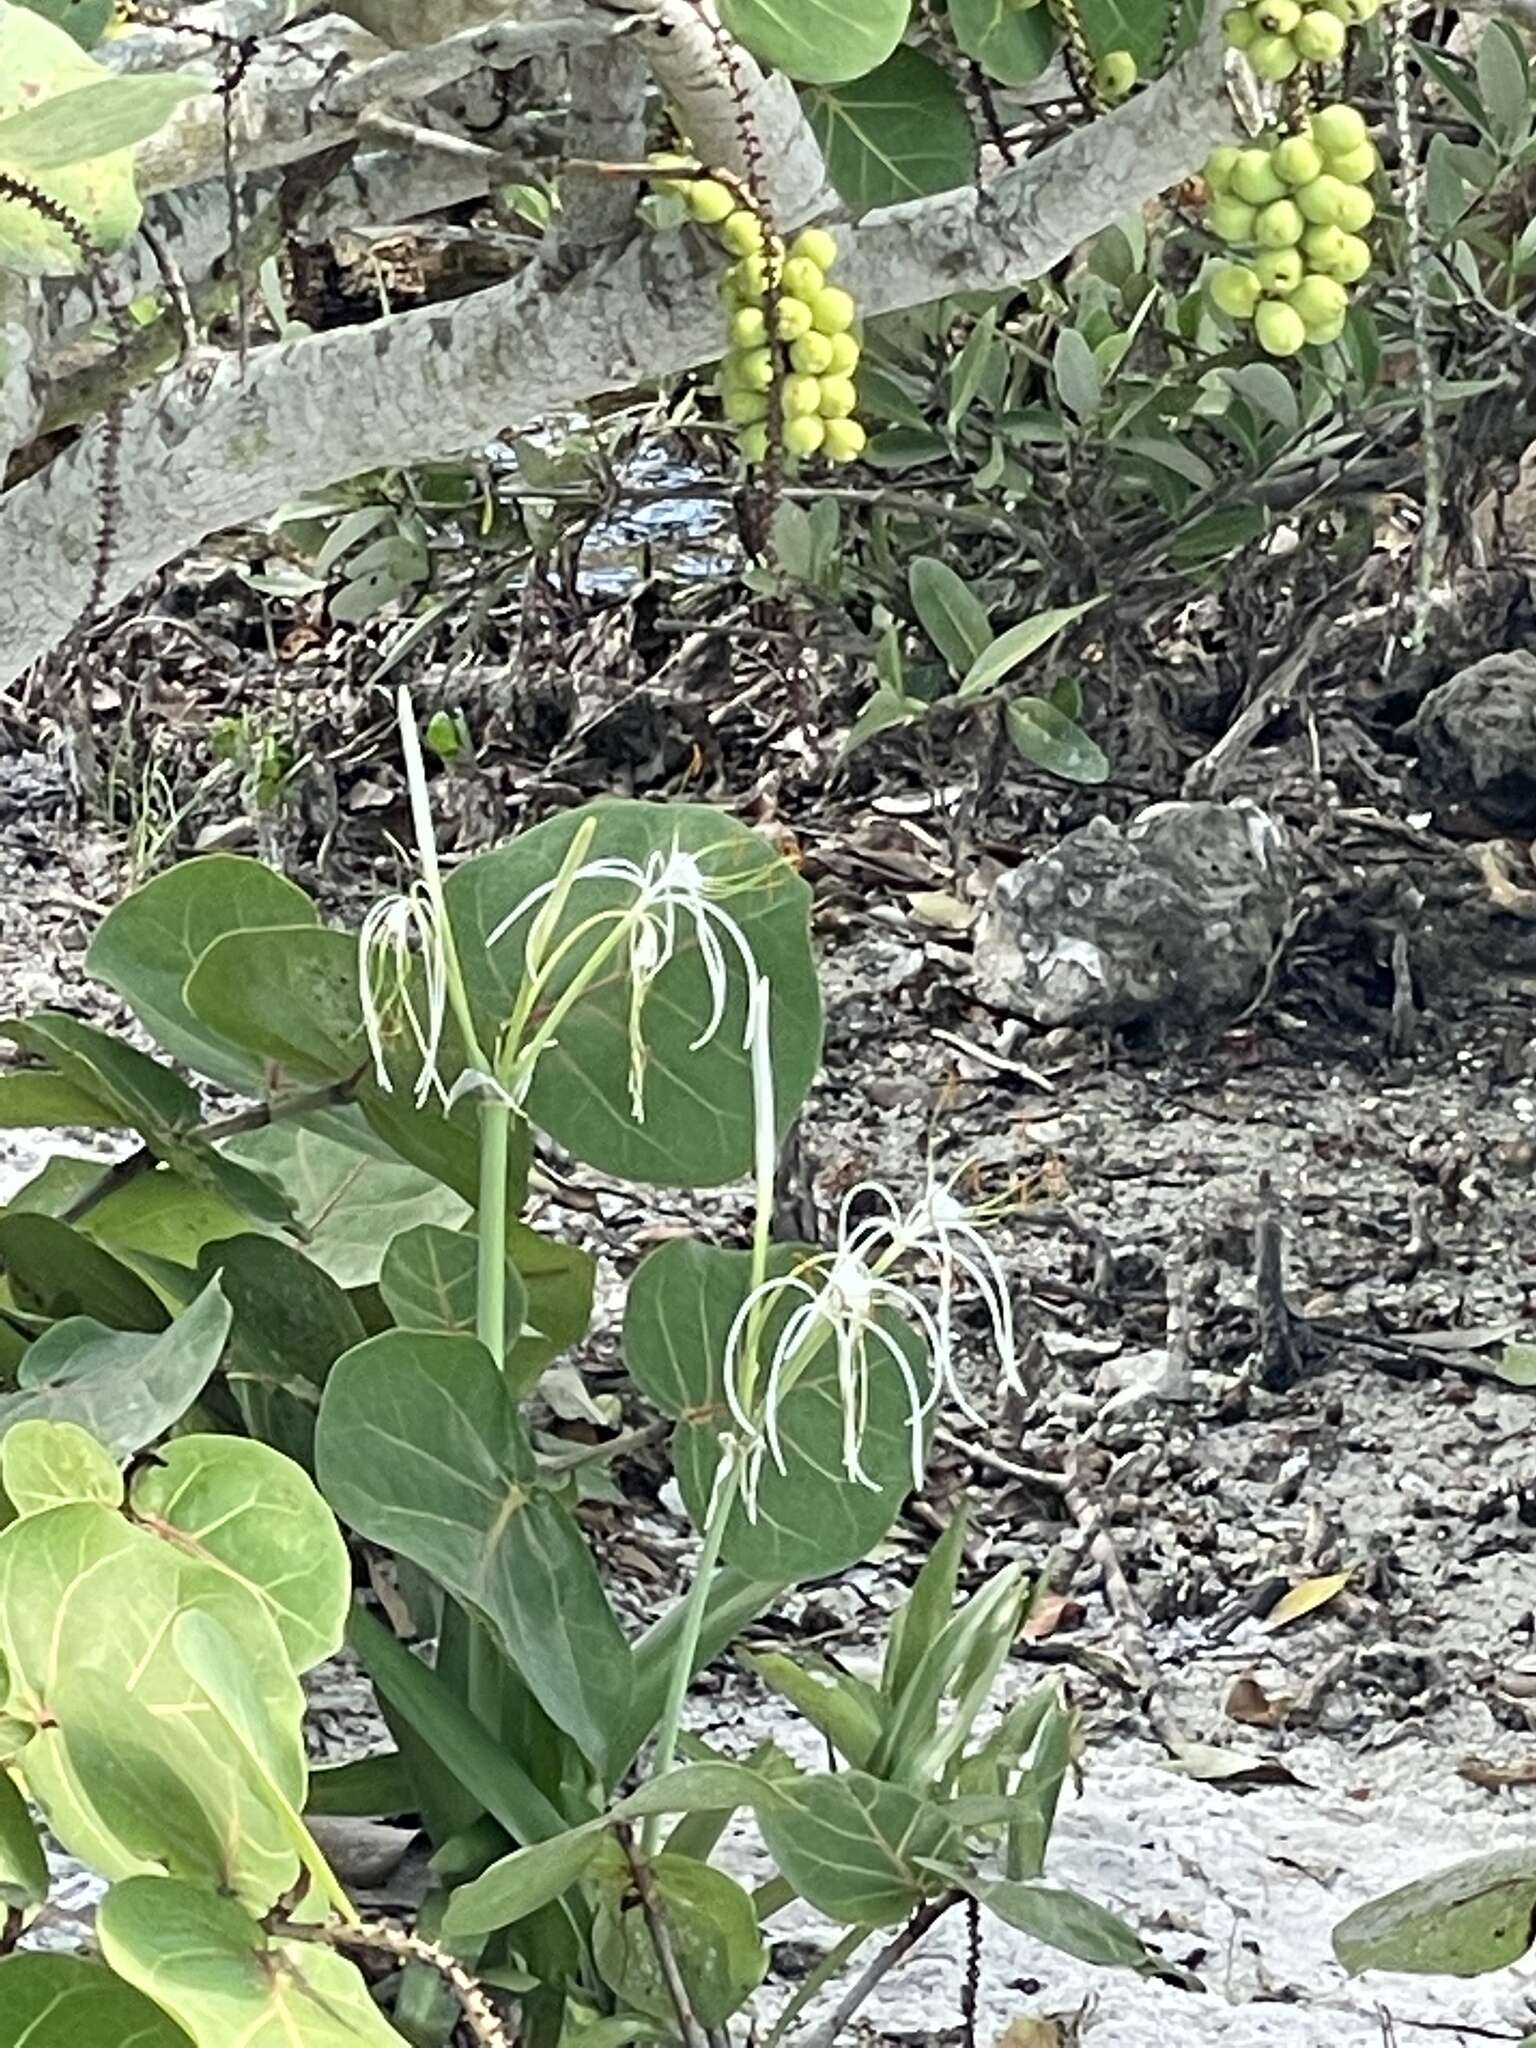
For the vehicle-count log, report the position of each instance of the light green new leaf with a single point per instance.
(853, 1847)
(846, 1711)
(23, 1866)
(218, 1973)
(1018, 644)
(125, 1388)
(818, 41)
(49, 2001)
(900, 133)
(1473, 1917)
(1049, 739)
(49, 1464)
(148, 944)
(811, 1519)
(698, 1129)
(247, 1510)
(1012, 44)
(950, 612)
(720, 1953)
(420, 1447)
(92, 120)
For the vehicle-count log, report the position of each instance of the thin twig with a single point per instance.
(1005, 1468)
(688, 2023)
(880, 1967)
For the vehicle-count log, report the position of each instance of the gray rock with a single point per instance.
(1181, 912)
(1477, 738)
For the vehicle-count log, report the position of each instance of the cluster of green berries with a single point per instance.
(812, 324)
(1297, 205)
(1279, 36)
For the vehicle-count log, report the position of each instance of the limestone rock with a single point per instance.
(1477, 738)
(1177, 916)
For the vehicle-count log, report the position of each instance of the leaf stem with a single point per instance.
(638, 1859)
(829, 1967)
(491, 1270)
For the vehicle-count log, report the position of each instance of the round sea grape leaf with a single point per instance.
(245, 1509)
(720, 1952)
(698, 1128)
(49, 2001)
(47, 1464)
(901, 133)
(818, 41)
(223, 1978)
(812, 1519)
(430, 1281)
(1012, 44)
(853, 1846)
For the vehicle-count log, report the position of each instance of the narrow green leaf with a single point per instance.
(35, 1098)
(1077, 374)
(1048, 739)
(950, 612)
(56, 1271)
(23, 1866)
(924, 1615)
(1061, 1919)
(847, 1713)
(1016, 645)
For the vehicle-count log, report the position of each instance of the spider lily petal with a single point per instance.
(386, 956)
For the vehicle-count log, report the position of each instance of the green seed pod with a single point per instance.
(1273, 58)
(845, 355)
(832, 310)
(1279, 330)
(1115, 75)
(1338, 128)
(1235, 289)
(752, 371)
(811, 354)
(805, 435)
(742, 233)
(1276, 17)
(1254, 179)
(1323, 201)
(708, 200)
(1219, 166)
(749, 329)
(838, 398)
(1357, 209)
(844, 440)
(793, 319)
(1355, 166)
(1297, 160)
(444, 736)
(1319, 299)
(753, 443)
(801, 395)
(803, 278)
(1279, 271)
(1319, 37)
(1279, 225)
(1230, 220)
(1325, 331)
(743, 407)
(816, 246)
(1240, 27)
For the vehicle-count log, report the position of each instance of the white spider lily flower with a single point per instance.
(395, 934)
(838, 1297)
(673, 896)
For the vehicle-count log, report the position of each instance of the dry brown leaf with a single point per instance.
(1051, 1613)
(1030, 2033)
(1248, 1702)
(1304, 1599)
(1208, 1765)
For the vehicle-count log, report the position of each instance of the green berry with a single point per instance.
(1355, 166)
(805, 435)
(1273, 58)
(1337, 129)
(811, 354)
(1235, 289)
(748, 328)
(752, 275)
(803, 278)
(1114, 75)
(1323, 201)
(843, 441)
(845, 355)
(1280, 331)
(793, 318)
(743, 407)
(816, 246)
(1279, 271)
(838, 398)
(1357, 209)
(1240, 27)
(1319, 299)
(754, 444)
(1230, 220)
(742, 233)
(801, 395)
(1322, 332)
(1279, 225)
(1353, 261)
(753, 371)
(1220, 165)
(443, 736)
(1297, 160)
(709, 201)
(832, 310)
(1276, 17)
(1254, 180)
(1319, 37)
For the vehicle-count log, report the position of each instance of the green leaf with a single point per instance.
(218, 1973)
(350, 1200)
(1047, 738)
(1013, 44)
(251, 1512)
(145, 1094)
(126, 1389)
(950, 612)
(32, 1098)
(429, 1280)
(698, 1129)
(49, 1464)
(812, 1519)
(559, 1280)
(49, 2001)
(817, 41)
(1016, 645)
(149, 943)
(1269, 391)
(1062, 1919)
(1474, 1916)
(1215, 535)
(23, 1866)
(420, 1448)
(56, 1271)
(291, 1322)
(851, 1846)
(900, 133)
(287, 996)
(1140, 26)
(1503, 80)
(918, 1623)
(1517, 1365)
(131, 1765)
(884, 711)
(368, 1788)
(912, 1748)
(1077, 374)
(720, 1954)
(972, 368)
(845, 1711)
(92, 120)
